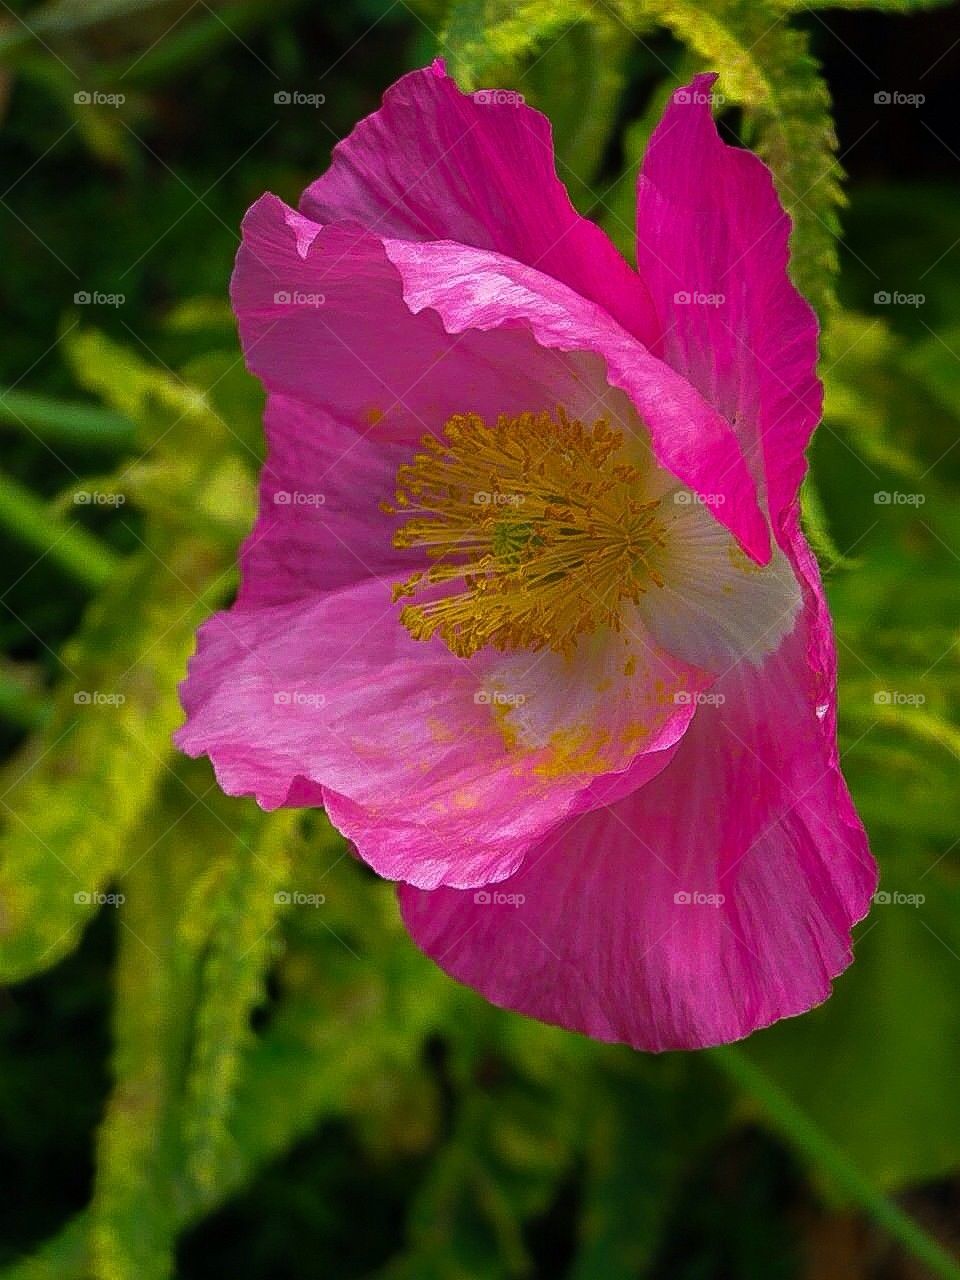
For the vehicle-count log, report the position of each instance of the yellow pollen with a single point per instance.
(534, 529)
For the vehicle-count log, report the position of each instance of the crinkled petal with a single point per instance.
(715, 900)
(473, 290)
(712, 249)
(437, 164)
(322, 320)
(414, 749)
(325, 317)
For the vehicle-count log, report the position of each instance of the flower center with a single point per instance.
(534, 529)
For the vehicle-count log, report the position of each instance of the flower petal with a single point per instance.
(437, 164)
(716, 607)
(411, 746)
(472, 290)
(488, 336)
(613, 925)
(712, 249)
(323, 320)
(319, 526)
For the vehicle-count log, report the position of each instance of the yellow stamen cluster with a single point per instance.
(534, 528)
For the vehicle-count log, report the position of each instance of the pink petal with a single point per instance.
(437, 164)
(710, 226)
(319, 526)
(751, 807)
(413, 762)
(323, 320)
(474, 290)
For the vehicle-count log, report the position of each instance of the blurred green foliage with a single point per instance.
(205, 1077)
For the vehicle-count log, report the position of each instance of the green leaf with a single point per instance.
(832, 1161)
(76, 793)
(134, 1212)
(64, 542)
(873, 1066)
(65, 422)
(242, 914)
(648, 1123)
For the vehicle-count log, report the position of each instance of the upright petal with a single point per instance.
(437, 164)
(712, 249)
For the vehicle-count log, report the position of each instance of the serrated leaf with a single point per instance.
(76, 793)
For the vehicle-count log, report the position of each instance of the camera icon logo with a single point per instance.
(481, 898)
(282, 898)
(82, 699)
(282, 98)
(682, 898)
(82, 899)
(882, 99)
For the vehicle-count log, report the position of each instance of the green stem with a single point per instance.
(66, 422)
(68, 545)
(824, 1154)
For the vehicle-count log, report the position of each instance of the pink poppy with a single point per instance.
(527, 607)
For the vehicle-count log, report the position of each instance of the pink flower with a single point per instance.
(527, 607)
